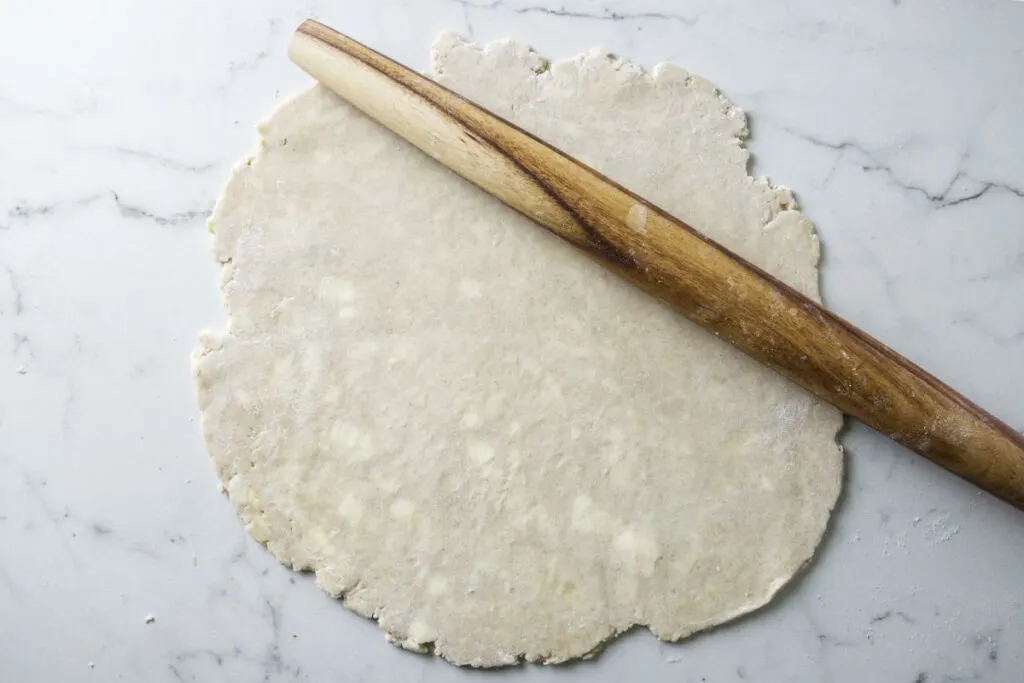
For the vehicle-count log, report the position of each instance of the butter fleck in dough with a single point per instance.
(471, 432)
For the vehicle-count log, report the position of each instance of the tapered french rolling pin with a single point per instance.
(672, 261)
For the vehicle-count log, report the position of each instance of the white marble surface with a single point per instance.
(898, 123)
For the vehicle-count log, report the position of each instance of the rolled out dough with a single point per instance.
(471, 432)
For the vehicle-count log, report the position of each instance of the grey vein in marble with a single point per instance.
(603, 14)
(176, 218)
(165, 162)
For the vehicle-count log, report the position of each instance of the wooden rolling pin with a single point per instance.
(737, 301)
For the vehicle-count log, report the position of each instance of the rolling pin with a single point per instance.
(672, 261)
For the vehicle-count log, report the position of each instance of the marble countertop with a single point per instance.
(897, 122)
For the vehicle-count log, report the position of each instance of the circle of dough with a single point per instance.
(471, 432)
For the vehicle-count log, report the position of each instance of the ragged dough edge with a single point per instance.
(783, 207)
(233, 484)
(347, 589)
(211, 340)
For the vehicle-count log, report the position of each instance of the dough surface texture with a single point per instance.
(470, 431)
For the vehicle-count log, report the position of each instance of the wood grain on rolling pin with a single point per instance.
(670, 260)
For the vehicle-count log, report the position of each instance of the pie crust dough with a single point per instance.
(471, 432)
